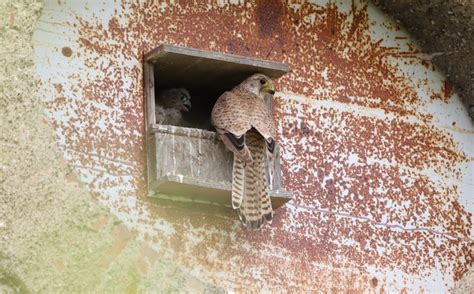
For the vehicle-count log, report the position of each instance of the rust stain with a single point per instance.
(374, 282)
(378, 192)
(332, 58)
(66, 51)
(447, 90)
(269, 18)
(59, 88)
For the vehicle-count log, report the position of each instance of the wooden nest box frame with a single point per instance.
(191, 163)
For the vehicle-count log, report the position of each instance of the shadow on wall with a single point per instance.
(446, 32)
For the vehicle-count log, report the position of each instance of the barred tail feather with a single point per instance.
(238, 173)
(266, 209)
(255, 205)
(249, 211)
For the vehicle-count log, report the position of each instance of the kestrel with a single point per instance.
(245, 125)
(170, 105)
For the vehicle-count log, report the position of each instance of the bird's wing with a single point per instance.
(246, 127)
(229, 117)
(262, 121)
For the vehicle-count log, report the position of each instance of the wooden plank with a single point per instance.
(182, 131)
(192, 190)
(149, 94)
(272, 68)
(149, 105)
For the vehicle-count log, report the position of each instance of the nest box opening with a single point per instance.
(188, 162)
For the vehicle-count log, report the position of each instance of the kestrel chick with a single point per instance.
(170, 105)
(246, 126)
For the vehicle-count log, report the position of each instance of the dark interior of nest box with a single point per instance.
(205, 74)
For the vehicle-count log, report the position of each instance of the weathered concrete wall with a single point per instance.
(375, 145)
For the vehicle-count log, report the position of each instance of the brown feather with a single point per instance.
(238, 175)
(255, 205)
(243, 154)
(243, 112)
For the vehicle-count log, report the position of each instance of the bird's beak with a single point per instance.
(186, 107)
(269, 88)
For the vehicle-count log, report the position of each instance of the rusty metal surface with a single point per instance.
(375, 145)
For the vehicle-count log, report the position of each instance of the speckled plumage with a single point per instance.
(170, 105)
(245, 125)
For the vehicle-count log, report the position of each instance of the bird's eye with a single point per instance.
(183, 98)
(262, 81)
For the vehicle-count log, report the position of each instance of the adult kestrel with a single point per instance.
(245, 125)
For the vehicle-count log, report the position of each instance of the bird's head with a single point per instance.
(178, 98)
(258, 84)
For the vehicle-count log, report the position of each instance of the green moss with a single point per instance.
(10, 283)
